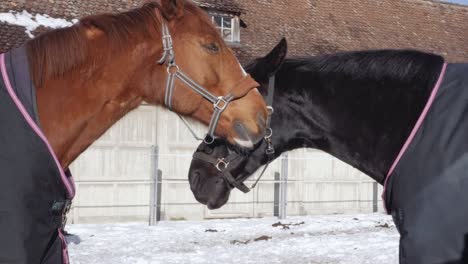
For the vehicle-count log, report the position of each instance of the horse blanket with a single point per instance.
(427, 188)
(35, 192)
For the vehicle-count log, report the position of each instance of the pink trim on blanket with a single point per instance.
(65, 257)
(414, 131)
(69, 184)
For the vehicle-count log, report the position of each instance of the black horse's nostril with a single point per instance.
(195, 179)
(208, 150)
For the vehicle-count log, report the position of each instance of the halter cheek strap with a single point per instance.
(220, 103)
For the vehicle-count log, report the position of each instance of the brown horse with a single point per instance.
(90, 75)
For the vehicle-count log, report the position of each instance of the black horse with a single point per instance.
(366, 108)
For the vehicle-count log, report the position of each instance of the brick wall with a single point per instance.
(311, 26)
(317, 26)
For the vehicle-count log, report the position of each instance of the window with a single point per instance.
(228, 26)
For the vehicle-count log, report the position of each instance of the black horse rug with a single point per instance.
(35, 192)
(427, 187)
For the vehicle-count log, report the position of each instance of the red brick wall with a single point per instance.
(311, 26)
(317, 26)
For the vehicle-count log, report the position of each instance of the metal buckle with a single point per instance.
(223, 101)
(270, 150)
(65, 211)
(222, 162)
(167, 42)
(172, 66)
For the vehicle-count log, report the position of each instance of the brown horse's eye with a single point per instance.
(212, 47)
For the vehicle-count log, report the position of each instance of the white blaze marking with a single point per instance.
(242, 69)
(244, 143)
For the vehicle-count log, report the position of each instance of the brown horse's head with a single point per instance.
(89, 75)
(202, 55)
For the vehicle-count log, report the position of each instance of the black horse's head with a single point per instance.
(207, 175)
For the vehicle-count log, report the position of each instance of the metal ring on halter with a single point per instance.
(222, 162)
(209, 139)
(268, 133)
(223, 100)
(270, 110)
(172, 66)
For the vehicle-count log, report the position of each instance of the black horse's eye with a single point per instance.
(212, 47)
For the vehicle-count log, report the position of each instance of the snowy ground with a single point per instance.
(353, 239)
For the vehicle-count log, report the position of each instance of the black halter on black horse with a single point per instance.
(362, 107)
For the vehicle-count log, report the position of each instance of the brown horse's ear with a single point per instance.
(172, 9)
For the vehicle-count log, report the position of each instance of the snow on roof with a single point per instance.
(221, 5)
(32, 22)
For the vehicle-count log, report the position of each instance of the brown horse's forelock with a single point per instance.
(56, 52)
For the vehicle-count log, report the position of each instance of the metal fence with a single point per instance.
(278, 203)
(299, 183)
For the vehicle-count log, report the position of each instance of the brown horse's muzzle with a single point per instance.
(247, 113)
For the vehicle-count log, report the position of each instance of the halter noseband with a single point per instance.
(220, 103)
(222, 164)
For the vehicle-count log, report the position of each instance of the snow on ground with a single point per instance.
(350, 239)
(32, 22)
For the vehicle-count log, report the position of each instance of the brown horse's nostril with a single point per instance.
(262, 123)
(247, 136)
(261, 120)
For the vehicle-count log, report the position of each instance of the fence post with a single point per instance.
(276, 201)
(283, 187)
(155, 206)
(155, 187)
(375, 198)
(158, 195)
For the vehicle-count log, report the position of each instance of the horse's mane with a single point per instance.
(403, 65)
(56, 52)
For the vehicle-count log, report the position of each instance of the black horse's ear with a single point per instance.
(172, 8)
(262, 69)
(273, 61)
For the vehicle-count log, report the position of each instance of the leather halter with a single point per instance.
(222, 164)
(220, 103)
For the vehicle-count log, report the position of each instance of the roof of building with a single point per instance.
(230, 6)
(317, 27)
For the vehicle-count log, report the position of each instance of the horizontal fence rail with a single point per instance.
(284, 190)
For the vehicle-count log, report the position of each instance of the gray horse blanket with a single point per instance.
(427, 188)
(35, 192)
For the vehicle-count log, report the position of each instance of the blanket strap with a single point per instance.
(60, 209)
